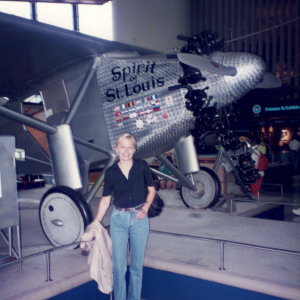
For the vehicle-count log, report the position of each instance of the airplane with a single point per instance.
(93, 90)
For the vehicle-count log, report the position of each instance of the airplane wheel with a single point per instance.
(208, 189)
(64, 214)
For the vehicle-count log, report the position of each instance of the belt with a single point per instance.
(129, 209)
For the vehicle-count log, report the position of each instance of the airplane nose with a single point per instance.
(250, 71)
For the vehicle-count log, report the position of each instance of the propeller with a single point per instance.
(269, 82)
(206, 64)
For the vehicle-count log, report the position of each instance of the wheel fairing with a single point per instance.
(64, 206)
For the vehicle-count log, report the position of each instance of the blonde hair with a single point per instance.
(126, 136)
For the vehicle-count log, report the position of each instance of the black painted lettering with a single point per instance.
(137, 88)
(147, 67)
(133, 68)
(126, 71)
(152, 68)
(110, 94)
(146, 86)
(118, 94)
(153, 82)
(127, 91)
(142, 66)
(117, 75)
(160, 81)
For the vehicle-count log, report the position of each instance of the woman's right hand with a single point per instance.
(103, 207)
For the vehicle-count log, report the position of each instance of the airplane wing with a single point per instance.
(30, 49)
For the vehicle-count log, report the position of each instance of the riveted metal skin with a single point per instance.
(136, 99)
(227, 89)
(163, 126)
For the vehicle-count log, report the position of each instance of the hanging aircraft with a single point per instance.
(93, 90)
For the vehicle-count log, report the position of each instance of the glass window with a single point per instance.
(96, 20)
(57, 14)
(19, 9)
(34, 99)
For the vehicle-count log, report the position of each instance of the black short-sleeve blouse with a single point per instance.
(129, 192)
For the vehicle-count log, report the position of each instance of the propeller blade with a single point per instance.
(206, 64)
(269, 82)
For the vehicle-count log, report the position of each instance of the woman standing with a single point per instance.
(127, 179)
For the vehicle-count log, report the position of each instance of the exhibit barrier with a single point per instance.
(9, 213)
(221, 242)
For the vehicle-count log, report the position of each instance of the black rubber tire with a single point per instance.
(64, 215)
(209, 189)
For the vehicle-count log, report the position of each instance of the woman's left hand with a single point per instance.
(141, 214)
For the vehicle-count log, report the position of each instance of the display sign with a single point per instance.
(282, 108)
(256, 109)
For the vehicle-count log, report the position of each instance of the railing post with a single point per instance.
(48, 267)
(10, 241)
(19, 247)
(222, 256)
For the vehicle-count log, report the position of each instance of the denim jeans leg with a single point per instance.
(119, 227)
(138, 235)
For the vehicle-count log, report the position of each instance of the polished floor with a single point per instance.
(163, 285)
(291, 193)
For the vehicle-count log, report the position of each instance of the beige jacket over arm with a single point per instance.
(100, 257)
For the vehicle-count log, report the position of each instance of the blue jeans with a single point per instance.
(123, 227)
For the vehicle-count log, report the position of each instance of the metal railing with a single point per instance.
(270, 186)
(45, 252)
(259, 202)
(224, 242)
(222, 250)
(259, 194)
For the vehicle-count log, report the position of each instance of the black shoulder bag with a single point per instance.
(157, 205)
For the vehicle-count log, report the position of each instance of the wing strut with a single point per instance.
(28, 121)
(81, 92)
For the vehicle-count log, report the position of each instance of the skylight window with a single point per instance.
(96, 20)
(19, 9)
(56, 14)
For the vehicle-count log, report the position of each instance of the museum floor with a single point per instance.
(177, 245)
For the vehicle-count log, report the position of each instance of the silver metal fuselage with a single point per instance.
(130, 94)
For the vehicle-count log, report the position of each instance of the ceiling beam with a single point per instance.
(94, 2)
